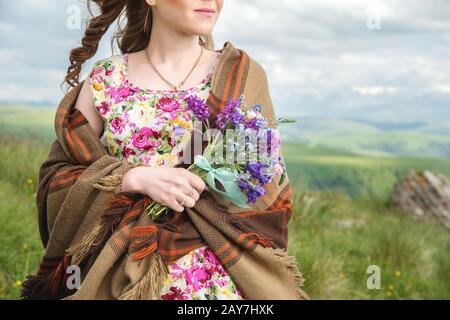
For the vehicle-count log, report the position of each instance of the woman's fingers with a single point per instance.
(175, 203)
(189, 202)
(194, 180)
(175, 206)
(191, 192)
(185, 186)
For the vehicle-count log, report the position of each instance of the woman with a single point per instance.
(139, 104)
(173, 28)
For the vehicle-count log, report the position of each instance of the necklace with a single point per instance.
(162, 77)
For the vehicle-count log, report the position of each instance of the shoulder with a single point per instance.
(256, 68)
(107, 65)
(107, 71)
(239, 61)
(109, 62)
(257, 78)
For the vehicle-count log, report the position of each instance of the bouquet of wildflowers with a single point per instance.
(242, 153)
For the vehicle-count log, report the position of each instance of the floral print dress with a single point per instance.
(152, 127)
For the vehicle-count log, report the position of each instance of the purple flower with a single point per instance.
(255, 169)
(243, 185)
(237, 117)
(179, 131)
(251, 124)
(199, 107)
(227, 113)
(254, 193)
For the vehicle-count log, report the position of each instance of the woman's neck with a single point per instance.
(171, 48)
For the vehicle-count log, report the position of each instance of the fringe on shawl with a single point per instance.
(290, 263)
(279, 254)
(109, 183)
(82, 249)
(51, 285)
(149, 286)
(89, 247)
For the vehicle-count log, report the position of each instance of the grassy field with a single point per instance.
(342, 221)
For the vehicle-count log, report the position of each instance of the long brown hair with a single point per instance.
(130, 38)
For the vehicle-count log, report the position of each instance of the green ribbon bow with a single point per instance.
(227, 177)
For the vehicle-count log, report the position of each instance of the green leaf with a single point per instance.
(283, 176)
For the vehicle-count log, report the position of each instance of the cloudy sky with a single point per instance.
(372, 59)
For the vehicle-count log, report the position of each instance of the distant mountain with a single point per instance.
(366, 137)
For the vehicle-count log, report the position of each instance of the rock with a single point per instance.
(424, 195)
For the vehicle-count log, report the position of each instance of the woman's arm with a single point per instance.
(85, 104)
(161, 184)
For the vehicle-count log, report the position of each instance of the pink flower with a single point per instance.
(96, 74)
(196, 277)
(175, 294)
(117, 125)
(145, 139)
(211, 257)
(132, 126)
(126, 152)
(109, 71)
(103, 108)
(168, 104)
(171, 142)
(121, 93)
(177, 271)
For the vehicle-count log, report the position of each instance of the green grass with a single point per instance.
(367, 177)
(335, 239)
(20, 246)
(341, 225)
(27, 123)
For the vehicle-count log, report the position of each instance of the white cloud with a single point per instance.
(375, 90)
(442, 88)
(319, 54)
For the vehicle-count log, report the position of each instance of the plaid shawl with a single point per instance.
(120, 252)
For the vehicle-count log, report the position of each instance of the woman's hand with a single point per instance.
(168, 186)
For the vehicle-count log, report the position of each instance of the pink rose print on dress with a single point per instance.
(168, 104)
(196, 277)
(103, 108)
(212, 262)
(171, 142)
(121, 93)
(96, 74)
(211, 257)
(117, 125)
(145, 139)
(175, 294)
(126, 152)
(109, 71)
(177, 271)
